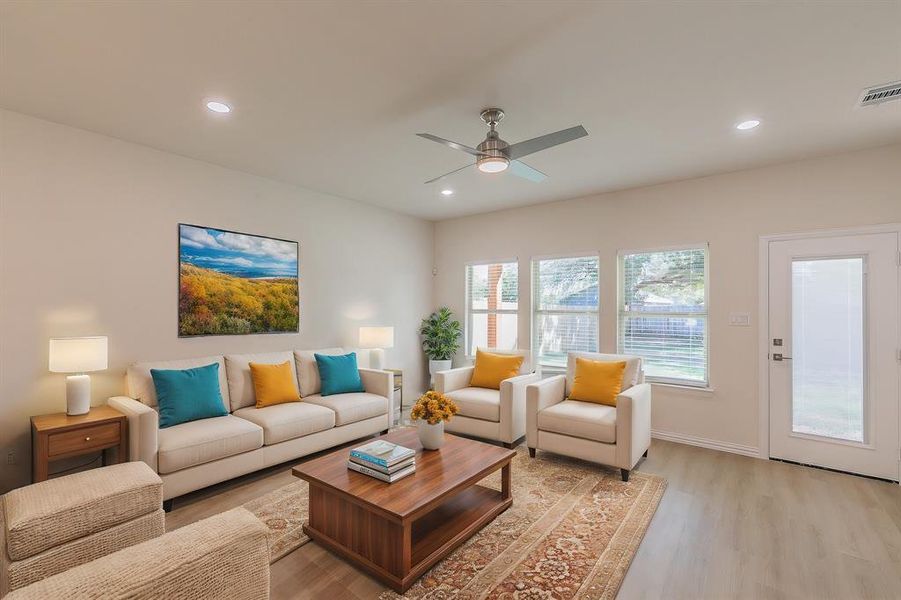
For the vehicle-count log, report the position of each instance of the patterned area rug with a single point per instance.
(572, 532)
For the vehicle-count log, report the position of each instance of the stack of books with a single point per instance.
(383, 460)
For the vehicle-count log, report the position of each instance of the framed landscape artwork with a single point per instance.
(232, 283)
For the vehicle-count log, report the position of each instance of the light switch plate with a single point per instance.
(740, 319)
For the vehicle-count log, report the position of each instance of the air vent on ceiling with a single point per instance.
(882, 93)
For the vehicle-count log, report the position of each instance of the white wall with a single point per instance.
(88, 245)
(729, 211)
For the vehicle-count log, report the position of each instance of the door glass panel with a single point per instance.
(828, 348)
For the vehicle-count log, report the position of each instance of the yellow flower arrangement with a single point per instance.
(433, 407)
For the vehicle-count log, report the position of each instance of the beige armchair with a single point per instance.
(498, 415)
(52, 526)
(224, 557)
(617, 436)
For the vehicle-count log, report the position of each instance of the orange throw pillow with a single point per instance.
(597, 381)
(273, 384)
(491, 369)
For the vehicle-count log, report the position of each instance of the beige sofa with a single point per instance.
(498, 415)
(193, 455)
(617, 436)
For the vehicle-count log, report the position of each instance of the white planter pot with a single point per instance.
(436, 366)
(431, 436)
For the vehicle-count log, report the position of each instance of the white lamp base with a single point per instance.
(78, 394)
(377, 359)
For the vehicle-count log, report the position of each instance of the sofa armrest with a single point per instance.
(143, 427)
(539, 396)
(224, 556)
(453, 379)
(633, 424)
(513, 406)
(378, 382)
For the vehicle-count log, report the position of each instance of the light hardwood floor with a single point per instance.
(728, 527)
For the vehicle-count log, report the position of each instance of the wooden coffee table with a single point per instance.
(396, 531)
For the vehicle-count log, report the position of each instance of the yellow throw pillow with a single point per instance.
(597, 381)
(491, 369)
(273, 384)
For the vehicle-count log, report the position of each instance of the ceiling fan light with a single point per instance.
(493, 164)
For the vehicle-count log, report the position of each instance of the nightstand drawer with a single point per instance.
(83, 439)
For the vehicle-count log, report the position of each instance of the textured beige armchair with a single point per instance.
(224, 557)
(617, 436)
(54, 525)
(498, 415)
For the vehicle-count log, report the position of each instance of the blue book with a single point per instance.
(382, 452)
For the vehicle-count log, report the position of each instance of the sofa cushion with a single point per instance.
(204, 441)
(586, 420)
(240, 382)
(188, 394)
(56, 511)
(308, 370)
(140, 383)
(631, 374)
(524, 369)
(477, 403)
(338, 374)
(350, 408)
(491, 369)
(287, 421)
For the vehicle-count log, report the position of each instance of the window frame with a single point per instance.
(468, 311)
(533, 329)
(621, 313)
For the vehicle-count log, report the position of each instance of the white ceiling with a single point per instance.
(329, 95)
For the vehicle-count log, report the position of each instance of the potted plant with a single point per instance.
(440, 339)
(431, 411)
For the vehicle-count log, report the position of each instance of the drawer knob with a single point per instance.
(87, 439)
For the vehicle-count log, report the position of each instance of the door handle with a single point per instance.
(779, 357)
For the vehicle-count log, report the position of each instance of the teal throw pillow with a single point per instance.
(188, 395)
(339, 373)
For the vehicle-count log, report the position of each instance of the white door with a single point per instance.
(833, 352)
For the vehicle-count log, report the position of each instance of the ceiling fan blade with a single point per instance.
(451, 173)
(451, 144)
(527, 147)
(521, 169)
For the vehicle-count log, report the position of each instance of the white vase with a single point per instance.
(436, 366)
(431, 436)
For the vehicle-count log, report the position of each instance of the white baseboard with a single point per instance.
(691, 440)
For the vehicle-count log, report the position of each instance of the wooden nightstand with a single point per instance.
(61, 436)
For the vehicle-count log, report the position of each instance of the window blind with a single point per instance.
(564, 308)
(663, 313)
(492, 306)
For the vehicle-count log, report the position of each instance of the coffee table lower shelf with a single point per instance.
(395, 552)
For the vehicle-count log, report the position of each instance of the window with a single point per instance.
(663, 313)
(564, 308)
(492, 303)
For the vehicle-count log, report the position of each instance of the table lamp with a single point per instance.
(376, 339)
(78, 355)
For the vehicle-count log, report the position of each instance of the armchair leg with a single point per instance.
(507, 445)
(384, 432)
(645, 454)
(168, 504)
(625, 474)
(531, 452)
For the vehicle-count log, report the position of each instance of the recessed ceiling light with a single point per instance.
(745, 125)
(447, 192)
(218, 107)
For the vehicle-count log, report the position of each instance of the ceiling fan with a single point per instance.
(495, 155)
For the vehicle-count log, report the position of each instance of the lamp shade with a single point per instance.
(376, 337)
(78, 354)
